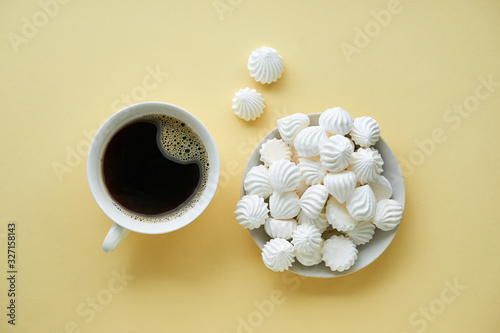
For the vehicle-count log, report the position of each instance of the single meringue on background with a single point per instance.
(339, 253)
(251, 212)
(313, 200)
(365, 131)
(338, 216)
(340, 185)
(336, 153)
(248, 104)
(336, 121)
(288, 127)
(284, 176)
(265, 65)
(389, 214)
(284, 206)
(367, 165)
(278, 254)
(362, 204)
(280, 228)
(320, 222)
(381, 188)
(306, 237)
(310, 140)
(274, 150)
(312, 170)
(257, 182)
(362, 233)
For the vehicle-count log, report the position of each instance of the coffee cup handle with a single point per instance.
(114, 237)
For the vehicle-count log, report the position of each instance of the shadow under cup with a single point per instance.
(128, 219)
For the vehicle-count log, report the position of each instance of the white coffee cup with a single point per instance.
(123, 222)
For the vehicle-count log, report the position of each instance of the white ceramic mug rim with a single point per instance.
(106, 132)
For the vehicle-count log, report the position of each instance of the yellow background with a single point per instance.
(66, 78)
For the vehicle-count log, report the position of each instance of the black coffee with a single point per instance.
(155, 165)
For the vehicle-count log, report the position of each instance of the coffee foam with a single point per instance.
(179, 142)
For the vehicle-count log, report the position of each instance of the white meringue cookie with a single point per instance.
(340, 185)
(310, 258)
(278, 254)
(365, 131)
(320, 222)
(338, 216)
(381, 188)
(312, 170)
(248, 104)
(284, 176)
(284, 205)
(274, 150)
(310, 140)
(280, 228)
(362, 233)
(251, 211)
(265, 65)
(336, 153)
(389, 214)
(362, 204)
(313, 200)
(339, 253)
(291, 125)
(366, 164)
(336, 121)
(257, 182)
(306, 238)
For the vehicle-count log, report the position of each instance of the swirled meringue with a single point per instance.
(248, 104)
(284, 176)
(366, 164)
(310, 140)
(389, 214)
(365, 131)
(278, 254)
(291, 125)
(251, 211)
(312, 170)
(362, 233)
(280, 228)
(284, 205)
(336, 153)
(257, 182)
(362, 204)
(340, 185)
(310, 258)
(338, 216)
(336, 121)
(339, 253)
(274, 150)
(313, 200)
(320, 222)
(265, 65)
(381, 188)
(306, 237)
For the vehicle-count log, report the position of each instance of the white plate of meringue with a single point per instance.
(322, 194)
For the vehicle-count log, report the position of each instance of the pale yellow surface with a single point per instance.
(67, 76)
